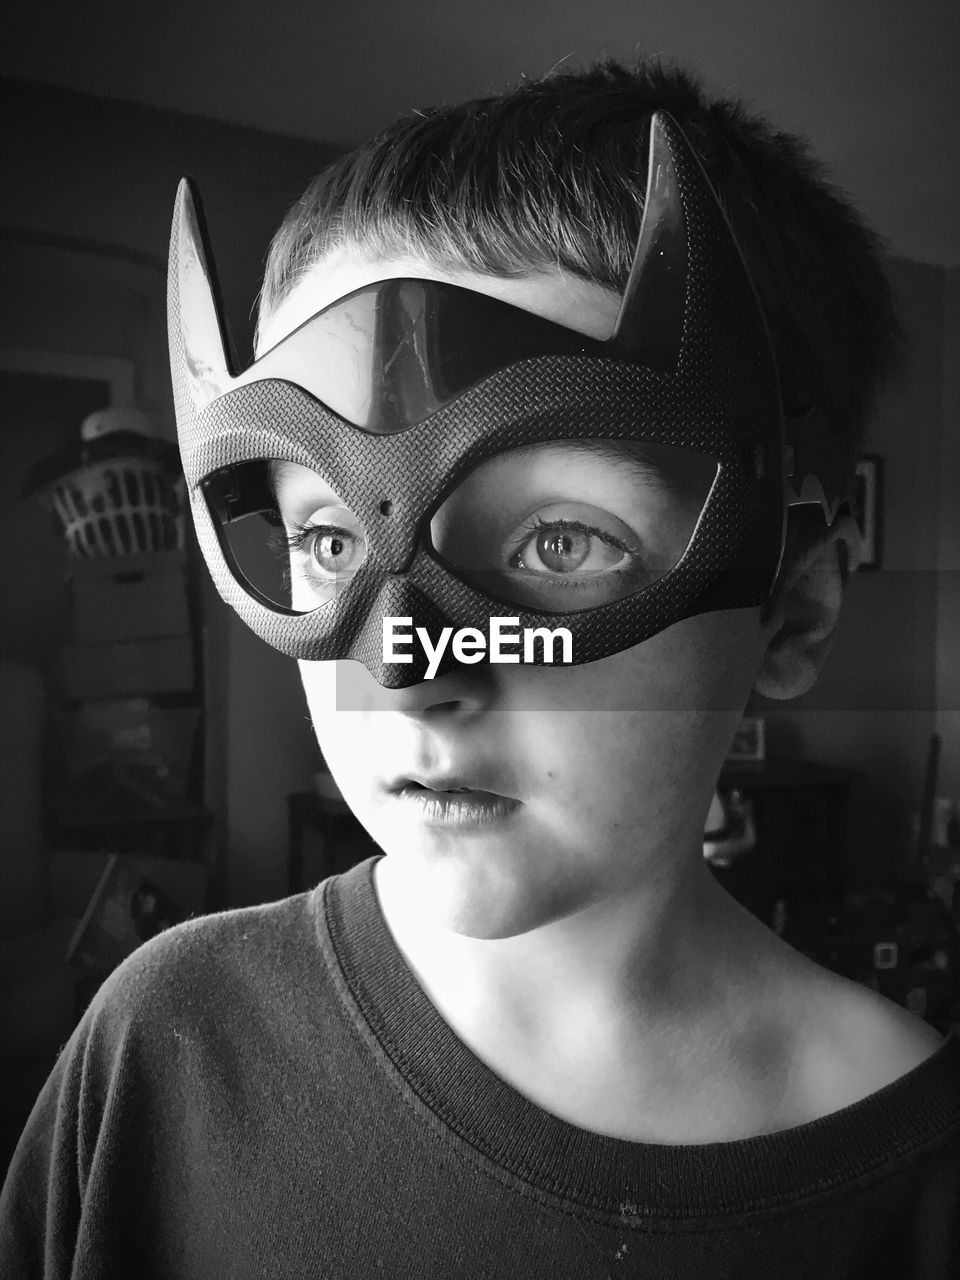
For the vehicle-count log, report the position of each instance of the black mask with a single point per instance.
(421, 450)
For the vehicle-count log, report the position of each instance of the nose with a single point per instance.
(454, 695)
(457, 695)
(410, 610)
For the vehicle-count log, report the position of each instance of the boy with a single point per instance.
(529, 465)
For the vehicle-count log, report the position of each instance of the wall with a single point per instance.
(879, 698)
(948, 601)
(96, 179)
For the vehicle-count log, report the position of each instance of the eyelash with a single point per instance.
(296, 540)
(573, 584)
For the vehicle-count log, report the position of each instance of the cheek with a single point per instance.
(340, 734)
(630, 733)
(341, 687)
(319, 684)
(700, 666)
(611, 771)
(703, 666)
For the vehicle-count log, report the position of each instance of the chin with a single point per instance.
(488, 921)
(480, 892)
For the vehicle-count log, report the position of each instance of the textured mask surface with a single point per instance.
(717, 393)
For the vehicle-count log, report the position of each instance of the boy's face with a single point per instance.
(593, 778)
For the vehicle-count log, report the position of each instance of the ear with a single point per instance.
(804, 611)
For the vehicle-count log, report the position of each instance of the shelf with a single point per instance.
(776, 772)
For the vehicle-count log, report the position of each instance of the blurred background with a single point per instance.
(156, 758)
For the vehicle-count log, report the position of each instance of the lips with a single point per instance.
(450, 802)
(448, 784)
(439, 784)
(483, 782)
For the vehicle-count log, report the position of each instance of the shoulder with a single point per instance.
(853, 1041)
(210, 965)
(217, 994)
(879, 1037)
(161, 1067)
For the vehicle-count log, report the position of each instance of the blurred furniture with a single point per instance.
(800, 815)
(21, 817)
(901, 942)
(133, 728)
(46, 883)
(37, 989)
(170, 833)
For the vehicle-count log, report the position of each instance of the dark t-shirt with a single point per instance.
(269, 1092)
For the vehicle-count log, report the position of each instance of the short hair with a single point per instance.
(552, 172)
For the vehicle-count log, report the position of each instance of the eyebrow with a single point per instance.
(634, 465)
(275, 468)
(274, 474)
(625, 459)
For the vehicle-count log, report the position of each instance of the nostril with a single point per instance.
(386, 507)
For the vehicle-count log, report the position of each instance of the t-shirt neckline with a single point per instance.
(613, 1176)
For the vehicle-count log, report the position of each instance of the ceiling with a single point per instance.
(872, 83)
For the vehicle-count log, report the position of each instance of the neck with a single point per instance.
(628, 975)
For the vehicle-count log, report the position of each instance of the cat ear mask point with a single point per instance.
(818, 472)
(199, 346)
(651, 317)
(687, 278)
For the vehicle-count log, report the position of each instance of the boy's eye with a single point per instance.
(324, 552)
(328, 548)
(286, 532)
(570, 525)
(568, 546)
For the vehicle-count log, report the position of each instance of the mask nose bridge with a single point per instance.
(393, 532)
(397, 597)
(397, 499)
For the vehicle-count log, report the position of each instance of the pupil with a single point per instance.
(330, 547)
(563, 551)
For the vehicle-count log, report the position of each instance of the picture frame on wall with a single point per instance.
(749, 742)
(868, 508)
